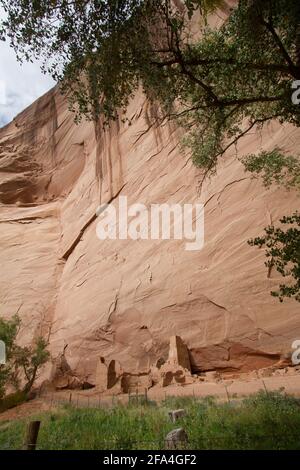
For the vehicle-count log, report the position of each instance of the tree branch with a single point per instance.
(295, 71)
(198, 62)
(234, 142)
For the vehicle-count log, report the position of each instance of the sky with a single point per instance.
(20, 85)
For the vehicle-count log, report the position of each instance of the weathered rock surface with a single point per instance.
(176, 439)
(62, 376)
(123, 299)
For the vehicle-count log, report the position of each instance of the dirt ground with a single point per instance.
(224, 390)
(26, 409)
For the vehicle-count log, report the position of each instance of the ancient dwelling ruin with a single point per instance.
(110, 377)
(176, 369)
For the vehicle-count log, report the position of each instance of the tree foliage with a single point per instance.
(283, 253)
(102, 50)
(274, 167)
(22, 362)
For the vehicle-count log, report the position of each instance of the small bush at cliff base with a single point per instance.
(264, 421)
(22, 363)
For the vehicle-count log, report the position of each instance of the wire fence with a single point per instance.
(241, 438)
(287, 439)
(245, 441)
(279, 442)
(78, 400)
(100, 400)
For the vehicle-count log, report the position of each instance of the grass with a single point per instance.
(261, 422)
(12, 400)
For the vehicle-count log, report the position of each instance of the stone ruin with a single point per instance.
(178, 353)
(110, 375)
(111, 378)
(175, 370)
(107, 374)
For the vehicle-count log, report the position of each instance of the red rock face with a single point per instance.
(123, 299)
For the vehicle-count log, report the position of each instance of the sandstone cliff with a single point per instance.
(123, 299)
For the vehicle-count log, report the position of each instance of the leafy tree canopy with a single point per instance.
(101, 51)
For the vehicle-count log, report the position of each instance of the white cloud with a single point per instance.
(23, 84)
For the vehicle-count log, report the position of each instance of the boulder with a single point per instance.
(176, 439)
(174, 415)
(62, 376)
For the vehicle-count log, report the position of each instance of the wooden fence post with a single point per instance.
(264, 386)
(227, 394)
(32, 435)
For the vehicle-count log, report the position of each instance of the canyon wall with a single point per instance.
(123, 299)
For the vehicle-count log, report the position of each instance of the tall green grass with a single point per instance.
(264, 421)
